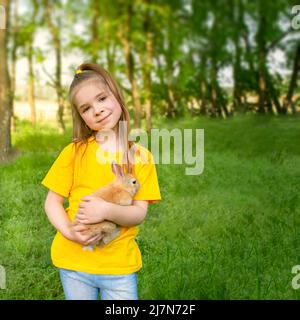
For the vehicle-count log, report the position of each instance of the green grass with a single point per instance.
(230, 233)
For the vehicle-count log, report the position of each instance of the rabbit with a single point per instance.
(120, 191)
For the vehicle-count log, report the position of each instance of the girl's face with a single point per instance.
(98, 106)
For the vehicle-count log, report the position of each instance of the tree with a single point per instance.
(95, 41)
(30, 56)
(26, 34)
(15, 44)
(5, 90)
(55, 30)
(293, 82)
(125, 35)
(146, 62)
(269, 34)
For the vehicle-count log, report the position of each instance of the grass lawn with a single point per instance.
(232, 232)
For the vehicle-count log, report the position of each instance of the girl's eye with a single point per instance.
(102, 98)
(86, 109)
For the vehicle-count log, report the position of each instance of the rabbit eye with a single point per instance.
(134, 181)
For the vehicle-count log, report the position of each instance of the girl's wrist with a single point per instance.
(107, 211)
(67, 232)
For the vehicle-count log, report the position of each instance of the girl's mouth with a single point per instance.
(100, 121)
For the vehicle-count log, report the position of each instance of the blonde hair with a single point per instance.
(87, 72)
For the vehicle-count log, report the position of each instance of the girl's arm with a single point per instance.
(57, 214)
(60, 220)
(95, 210)
(127, 216)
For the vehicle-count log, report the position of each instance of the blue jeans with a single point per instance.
(85, 286)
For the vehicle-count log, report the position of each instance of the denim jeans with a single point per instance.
(85, 286)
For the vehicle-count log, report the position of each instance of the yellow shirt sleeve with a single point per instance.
(147, 177)
(60, 176)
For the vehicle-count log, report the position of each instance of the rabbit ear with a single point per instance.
(117, 170)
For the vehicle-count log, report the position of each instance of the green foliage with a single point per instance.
(185, 46)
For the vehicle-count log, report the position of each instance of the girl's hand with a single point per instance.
(91, 210)
(75, 234)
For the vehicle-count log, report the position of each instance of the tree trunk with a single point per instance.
(31, 77)
(110, 57)
(262, 86)
(264, 94)
(168, 103)
(169, 72)
(203, 89)
(95, 44)
(147, 62)
(58, 87)
(216, 94)
(237, 102)
(293, 82)
(126, 41)
(273, 92)
(109, 42)
(248, 54)
(5, 91)
(55, 32)
(14, 60)
(170, 112)
(203, 85)
(31, 89)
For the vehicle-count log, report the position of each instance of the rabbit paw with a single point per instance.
(109, 237)
(88, 248)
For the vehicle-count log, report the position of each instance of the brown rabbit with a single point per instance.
(121, 191)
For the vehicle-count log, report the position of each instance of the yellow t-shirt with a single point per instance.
(75, 177)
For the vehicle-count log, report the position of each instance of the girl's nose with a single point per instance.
(98, 110)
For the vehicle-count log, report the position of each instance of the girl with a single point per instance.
(97, 107)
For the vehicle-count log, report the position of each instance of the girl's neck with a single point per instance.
(108, 141)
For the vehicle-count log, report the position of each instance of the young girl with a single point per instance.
(97, 107)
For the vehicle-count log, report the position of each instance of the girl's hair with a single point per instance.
(89, 72)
